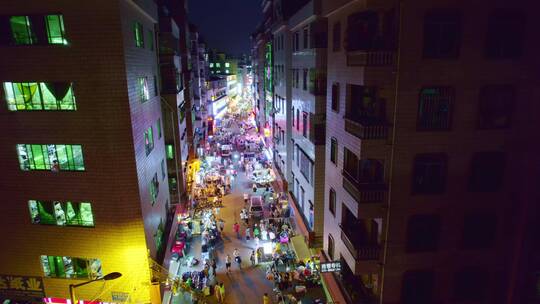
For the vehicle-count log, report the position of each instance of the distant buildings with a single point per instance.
(404, 127)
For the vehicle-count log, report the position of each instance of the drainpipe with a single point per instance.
(394, 122)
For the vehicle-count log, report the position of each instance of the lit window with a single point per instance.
(21, 30)
(144, 93)
(68, 267)
(218, 65)
(49, 96)
(149, 140)
(56, 33)
(170, 151)
(138, 32)
(227, 71)
(50, 157)
(211, 64)
(61, 213)
(227, 64)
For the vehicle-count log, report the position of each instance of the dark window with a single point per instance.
(335, 97)
(495, 107)
(505, 34)
(296, 41)
(370, 171)
(423, 232)
(479, 229)
(429, 175)
(306, 37)
(333, 150)
(155, 86)
(487, 171)
(151, 40)
(362, 105)
(470, 284)
(297, 119)
(350, 164)
(292, 116)
(435, 108)
(442, 34)
(417, 287)
(362, 30)
(332, 201)
(336, 38)
(331, 246)
(304, 124)
(306, 165)
(305, 80)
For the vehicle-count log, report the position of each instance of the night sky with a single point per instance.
(226, 24)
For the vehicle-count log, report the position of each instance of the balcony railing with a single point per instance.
(370, 58)
(366, 131)
(371, 252)
(364, 192)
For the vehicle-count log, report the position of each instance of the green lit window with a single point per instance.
(170, 151)
(68, 267)
(227, 64)
(149, 140)
(227, 71)
(50, 157)
(138, 33)
(159, 236)
(142, 88)
(48, 96)
(211, 64)
(21, 30)
(154, 189)
(158, 126)
(56, 33)
(151, 40)
(61, 213)
(218, 65)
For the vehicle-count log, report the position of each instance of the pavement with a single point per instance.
(249, 284)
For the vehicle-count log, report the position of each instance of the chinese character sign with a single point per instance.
(12, 286)
(334, 266)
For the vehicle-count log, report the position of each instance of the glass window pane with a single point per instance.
(95, 268)
(59, 214)
(59, 266)
(55, 29)
(72, 217)
(24, 158)
(38, 158)
(68, 267)
(28, 96)
(85, 214)
(63, 160)
(45, 210)
(78, 157)
(9, 95)
(49, 101)
(45, 265)
(68, 102)
(34, 213)
(21, 30)
(81, 268)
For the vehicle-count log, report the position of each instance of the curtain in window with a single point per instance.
(58, 89)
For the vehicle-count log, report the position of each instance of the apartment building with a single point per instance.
(222, 64)
(307, 116)
(427, 190)
(84, 175)
(218, 100)
(199, 65)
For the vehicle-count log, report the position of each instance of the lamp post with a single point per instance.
(107, 277)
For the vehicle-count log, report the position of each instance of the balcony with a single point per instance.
(371, 58)
(365, 252)
(364, 130)
(364, 192)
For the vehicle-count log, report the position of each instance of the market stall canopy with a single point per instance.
(300, 247)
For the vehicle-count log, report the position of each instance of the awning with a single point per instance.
(300, 247)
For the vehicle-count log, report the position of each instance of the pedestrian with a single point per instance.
(217, 293)
(246, 196)
(252, 258)
(214, 265)
(236, 229)
(248, 233)
(254, 187)
(237, 257)
(266, 299)
(222, 291)
(221, 224)
(228, 263)
(256, 231)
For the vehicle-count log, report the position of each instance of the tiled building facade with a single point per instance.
(84, 183)
(426, 105)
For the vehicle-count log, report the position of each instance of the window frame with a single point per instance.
(332, 199)
(138, 34)
(30, 38)
(484, 122)
(434, 123)
(334, 150)
(436, 24)
(335, 97)
(426, 162)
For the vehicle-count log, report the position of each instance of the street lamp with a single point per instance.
(107, 277)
